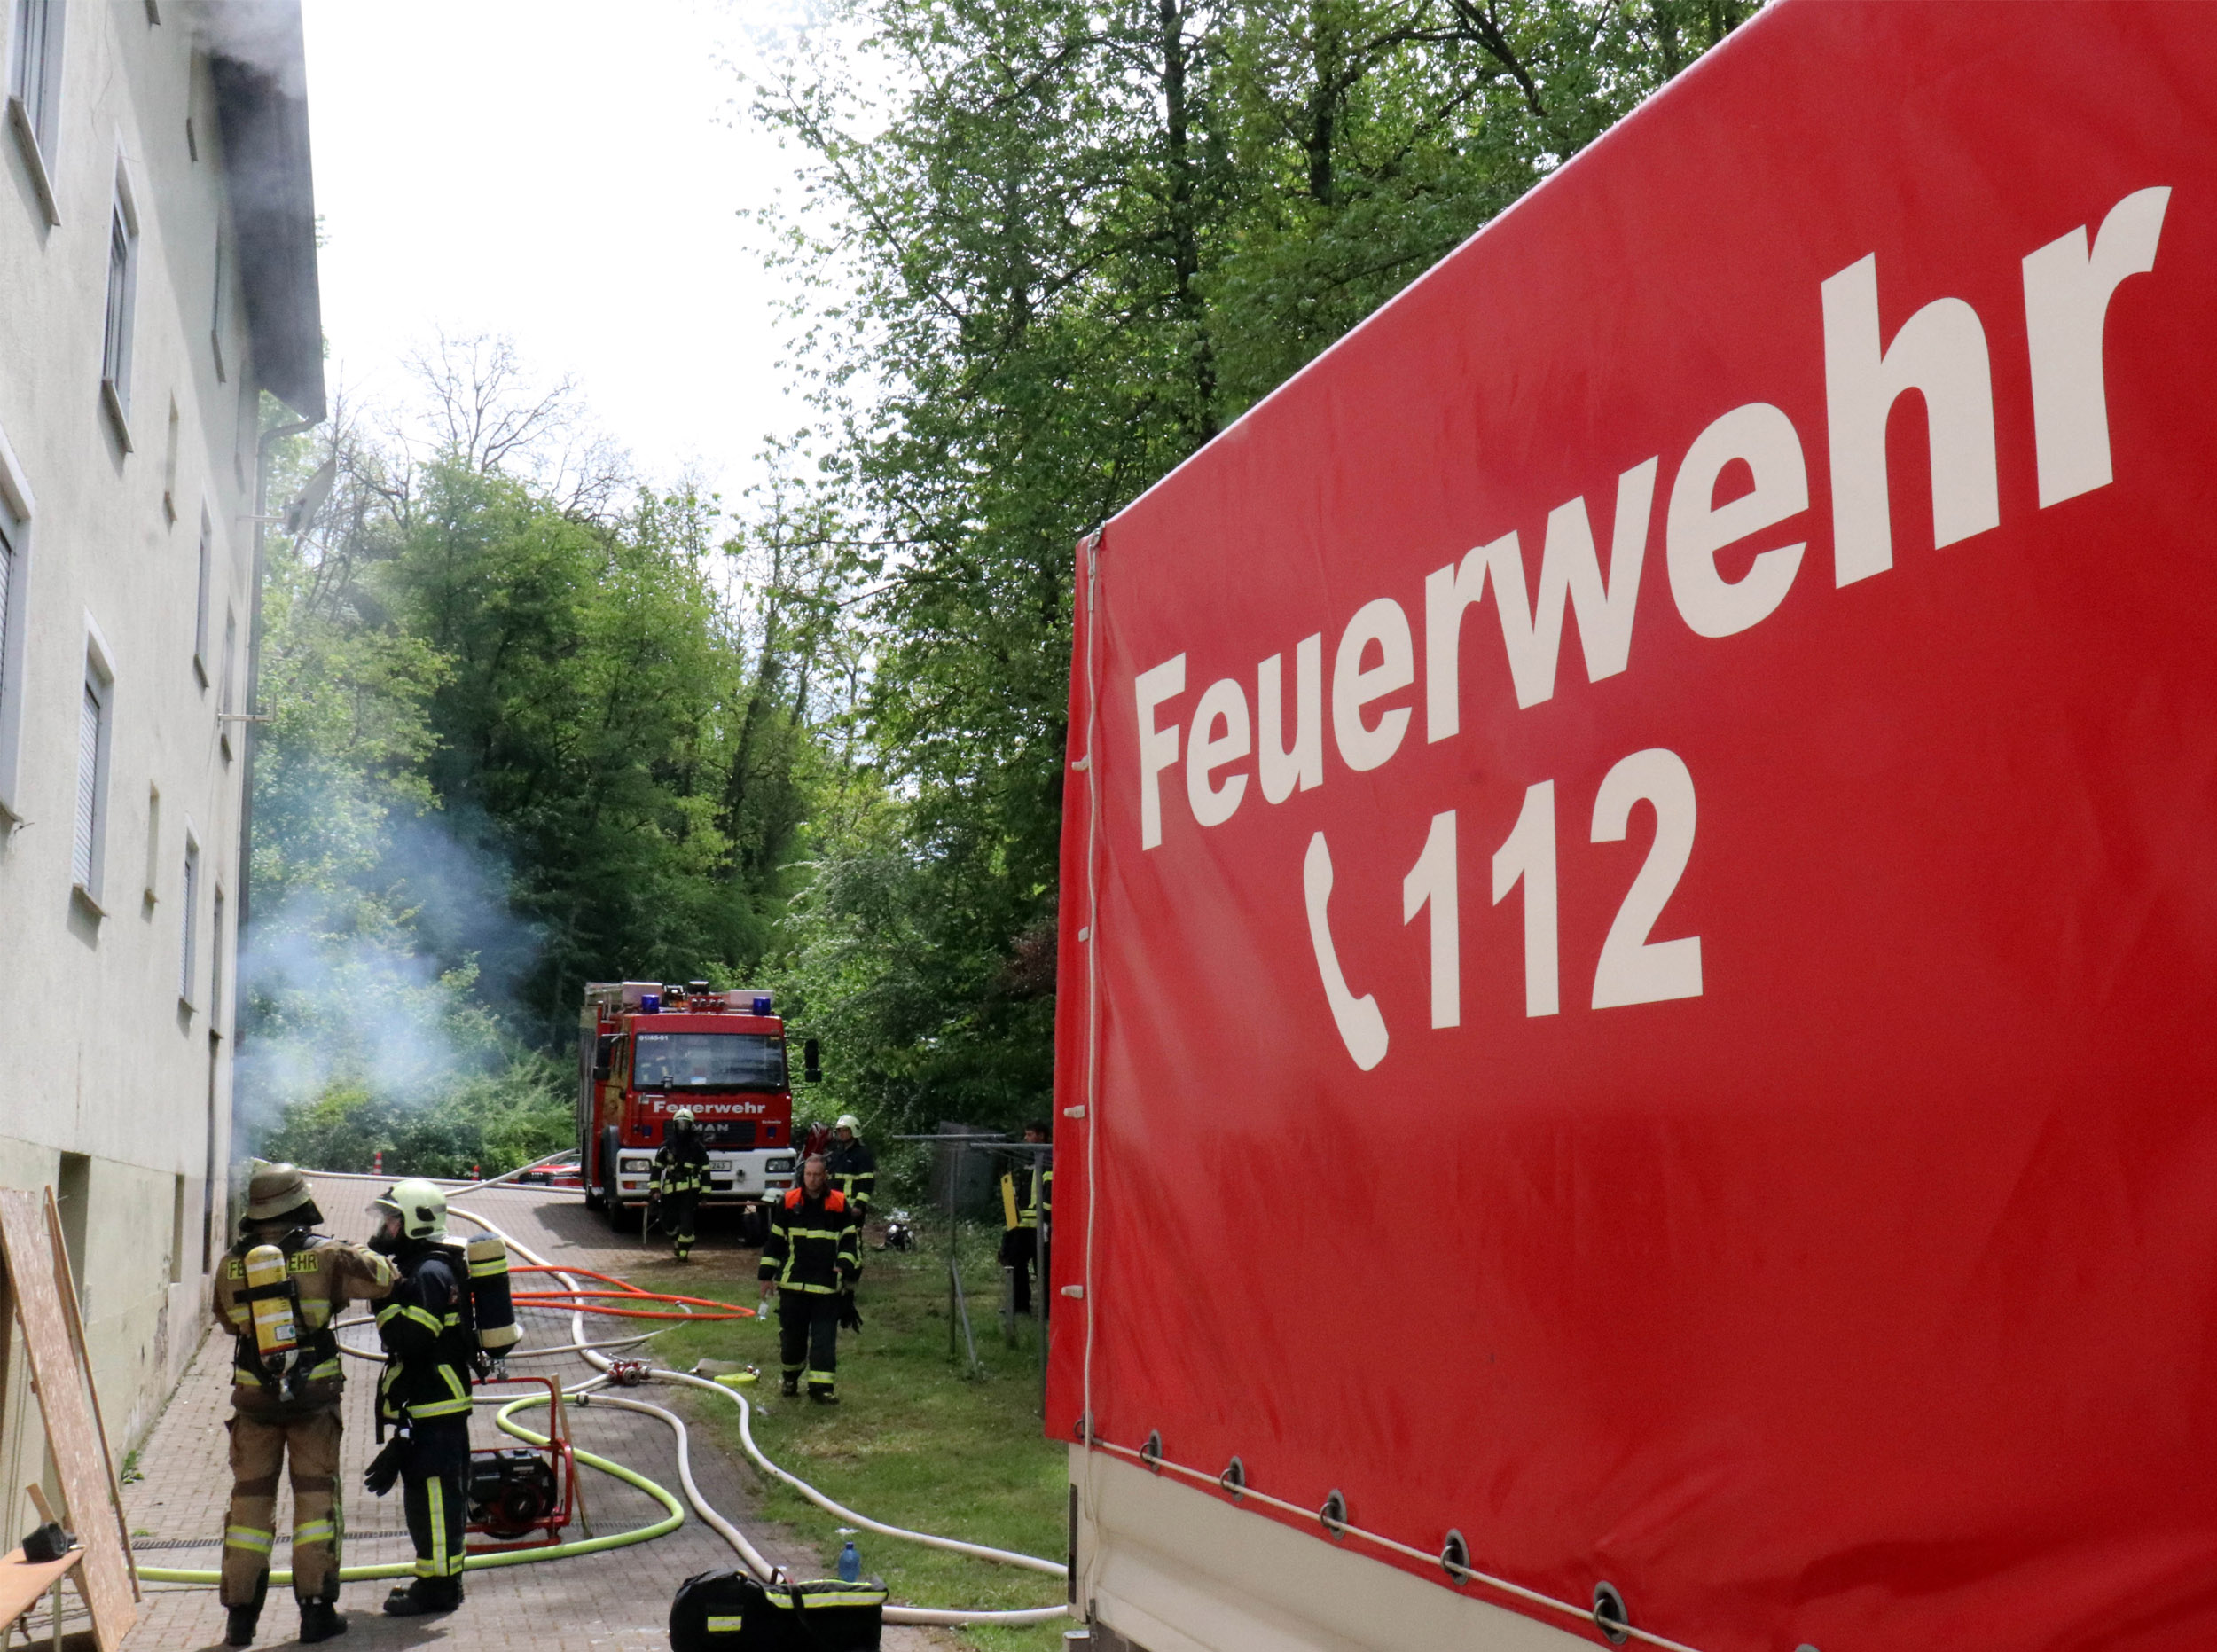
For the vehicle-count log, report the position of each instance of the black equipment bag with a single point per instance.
(729, 1611)
(754, 1227)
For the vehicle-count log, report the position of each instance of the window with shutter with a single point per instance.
(118, 307)
(89, 736)
(32, 73)
(216, 964)
(192, 913)
(7, 582)
(200, 613)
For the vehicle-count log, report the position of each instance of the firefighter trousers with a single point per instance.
(808, 1337)
(680, 1210)
(1018, 1253)
(434, 1497)
(260, 1449)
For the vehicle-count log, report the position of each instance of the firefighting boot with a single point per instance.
(320, 1621)
(789, 1385)
(239, 1630)
(425, 1596)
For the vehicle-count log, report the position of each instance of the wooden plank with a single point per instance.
(22, 1582)
(66, 1283)
(33, 1275)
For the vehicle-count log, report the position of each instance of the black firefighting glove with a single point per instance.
(849, 1319)
(383, 1469)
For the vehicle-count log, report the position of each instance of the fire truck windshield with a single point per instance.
(709, 1061)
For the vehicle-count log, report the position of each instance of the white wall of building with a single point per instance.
(114, 1049)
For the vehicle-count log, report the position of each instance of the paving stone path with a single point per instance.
(618, 1601)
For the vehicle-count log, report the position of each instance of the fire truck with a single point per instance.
(645, 1050)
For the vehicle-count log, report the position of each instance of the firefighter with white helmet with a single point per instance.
(853, 1167)
(276, 1292)
(681, 1175)
(431, 1350)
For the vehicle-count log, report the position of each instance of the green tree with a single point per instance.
(1067, 246)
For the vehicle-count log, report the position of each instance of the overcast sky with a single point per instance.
(568, 174)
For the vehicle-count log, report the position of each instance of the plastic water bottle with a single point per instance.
(850, 1563)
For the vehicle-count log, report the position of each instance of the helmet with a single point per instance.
(276, 1190)
(420, 1206)
(848, 1121)
(682, 1118)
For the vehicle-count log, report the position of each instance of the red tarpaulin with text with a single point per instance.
(1640, 919)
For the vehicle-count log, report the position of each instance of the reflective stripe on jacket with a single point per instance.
(854, 1172)
(814, 1245)
(325, 1274)
(432, 1344)
(681, 1167)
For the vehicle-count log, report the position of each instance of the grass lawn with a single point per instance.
(914, 1443)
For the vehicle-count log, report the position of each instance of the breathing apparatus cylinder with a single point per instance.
(496, 1328)
(276, 1327)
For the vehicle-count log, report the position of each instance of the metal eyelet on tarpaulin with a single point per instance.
(1454, 1557)
(1234, 1479)
(1151, 1452)
(1333, 1515)
(1610, 1615)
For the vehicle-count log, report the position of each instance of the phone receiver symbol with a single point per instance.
(1361, 1028)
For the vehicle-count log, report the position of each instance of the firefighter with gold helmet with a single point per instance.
(276, 1292)
(431, 1352)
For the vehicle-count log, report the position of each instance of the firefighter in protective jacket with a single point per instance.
(284, 1404)
(853, 1167)
(810, 1262)
(431, 1356)
(1025, 1194)
(681, 1175)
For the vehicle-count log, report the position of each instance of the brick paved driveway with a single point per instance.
(618, 1601)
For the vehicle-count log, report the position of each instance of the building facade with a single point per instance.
(157, 252)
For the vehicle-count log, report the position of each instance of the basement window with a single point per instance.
(34, 92)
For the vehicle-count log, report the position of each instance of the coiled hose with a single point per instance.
(748, 1555)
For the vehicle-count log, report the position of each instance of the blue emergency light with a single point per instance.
(762, 1003)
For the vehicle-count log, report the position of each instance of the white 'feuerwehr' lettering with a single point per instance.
(1302, 761)
(1569, 575)
(1941, 354)
(1696, 528)
(2066, 303)
(1381, 621)
(1223, 701)
(1159, 748)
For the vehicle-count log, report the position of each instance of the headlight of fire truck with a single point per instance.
(776, 1166)
(635, 1163)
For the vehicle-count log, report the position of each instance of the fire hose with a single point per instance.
(749, 1556)
(580, 1302)
(673, 1517)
